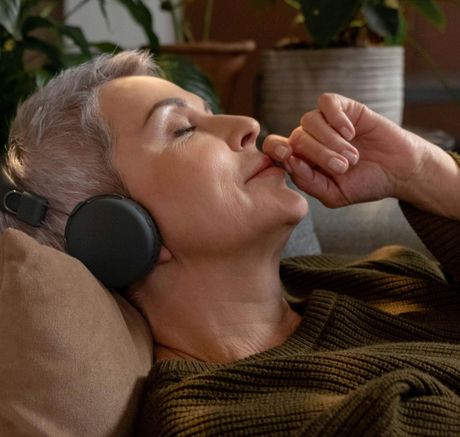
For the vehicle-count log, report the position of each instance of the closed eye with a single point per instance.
(183, 131)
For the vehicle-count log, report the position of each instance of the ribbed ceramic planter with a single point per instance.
(292, 80)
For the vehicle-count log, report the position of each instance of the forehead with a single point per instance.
(138, 86)
(126, 99)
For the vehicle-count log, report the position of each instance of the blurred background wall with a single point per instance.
(427, 103)
(122, 29)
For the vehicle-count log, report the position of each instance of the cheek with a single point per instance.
(195, 193)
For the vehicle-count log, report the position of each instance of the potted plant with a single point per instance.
(221, 61)
(175, 68)
(355, 49)
(32, 50)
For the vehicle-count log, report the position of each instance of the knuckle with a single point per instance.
(326, 98)
(268, 140)
(309, 117)
(296, 135)
(329, 204)
(269, 143)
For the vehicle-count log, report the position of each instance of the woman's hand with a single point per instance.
(345, 153)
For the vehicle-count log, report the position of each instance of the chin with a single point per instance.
(298, 208)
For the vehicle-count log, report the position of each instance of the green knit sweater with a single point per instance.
(377, 353)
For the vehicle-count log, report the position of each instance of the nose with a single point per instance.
(237, 130)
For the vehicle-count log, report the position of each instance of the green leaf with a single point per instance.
(76, 8)
(382, 20)
(188, 76)
(42, 76)
(71, 60)
(102, 6)
(141, 14)
(48, 7)
(107, 47)
(9, 16)
(77, 36)
(52, 53)
(104, 10)
(401, 34)
(15, 84)
(325, 18)
(431, 11)
(294, 4)
(166, 5)
(35, 22)
(72, 32)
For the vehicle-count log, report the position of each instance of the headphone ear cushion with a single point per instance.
(114, 237)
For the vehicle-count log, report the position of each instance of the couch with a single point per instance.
(74, 357)
(353, 230)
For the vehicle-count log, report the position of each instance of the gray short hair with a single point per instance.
(60, 146)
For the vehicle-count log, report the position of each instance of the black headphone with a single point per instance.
(113, 236)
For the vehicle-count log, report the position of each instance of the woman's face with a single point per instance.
(198, 174)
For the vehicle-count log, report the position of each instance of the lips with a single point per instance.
(265, 163)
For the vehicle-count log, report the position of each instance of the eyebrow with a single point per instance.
(172, 101)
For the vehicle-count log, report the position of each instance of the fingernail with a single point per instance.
(351, 157)
(300, 167)
(281, 151)
(346, 133)
(337, 165)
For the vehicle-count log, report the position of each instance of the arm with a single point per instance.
(344, 153)
(441, 235)
(436, 187)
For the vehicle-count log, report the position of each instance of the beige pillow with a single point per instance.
(72, 358)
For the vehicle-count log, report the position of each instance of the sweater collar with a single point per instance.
(318, 309)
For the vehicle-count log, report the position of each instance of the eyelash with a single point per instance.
(184, 131)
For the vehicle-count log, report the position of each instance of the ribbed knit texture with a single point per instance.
(377, 353)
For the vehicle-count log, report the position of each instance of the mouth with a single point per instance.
(265, 167)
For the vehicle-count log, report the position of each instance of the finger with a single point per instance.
(306, 147)
(278, 149)
(315, 183)
(316, 125)
(333, 108)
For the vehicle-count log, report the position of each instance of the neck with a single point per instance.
(217, 310)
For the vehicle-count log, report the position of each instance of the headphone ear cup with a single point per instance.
(114, 237)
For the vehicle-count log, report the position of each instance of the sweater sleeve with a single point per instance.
(441, 235)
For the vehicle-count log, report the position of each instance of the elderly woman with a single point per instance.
(333, 345)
